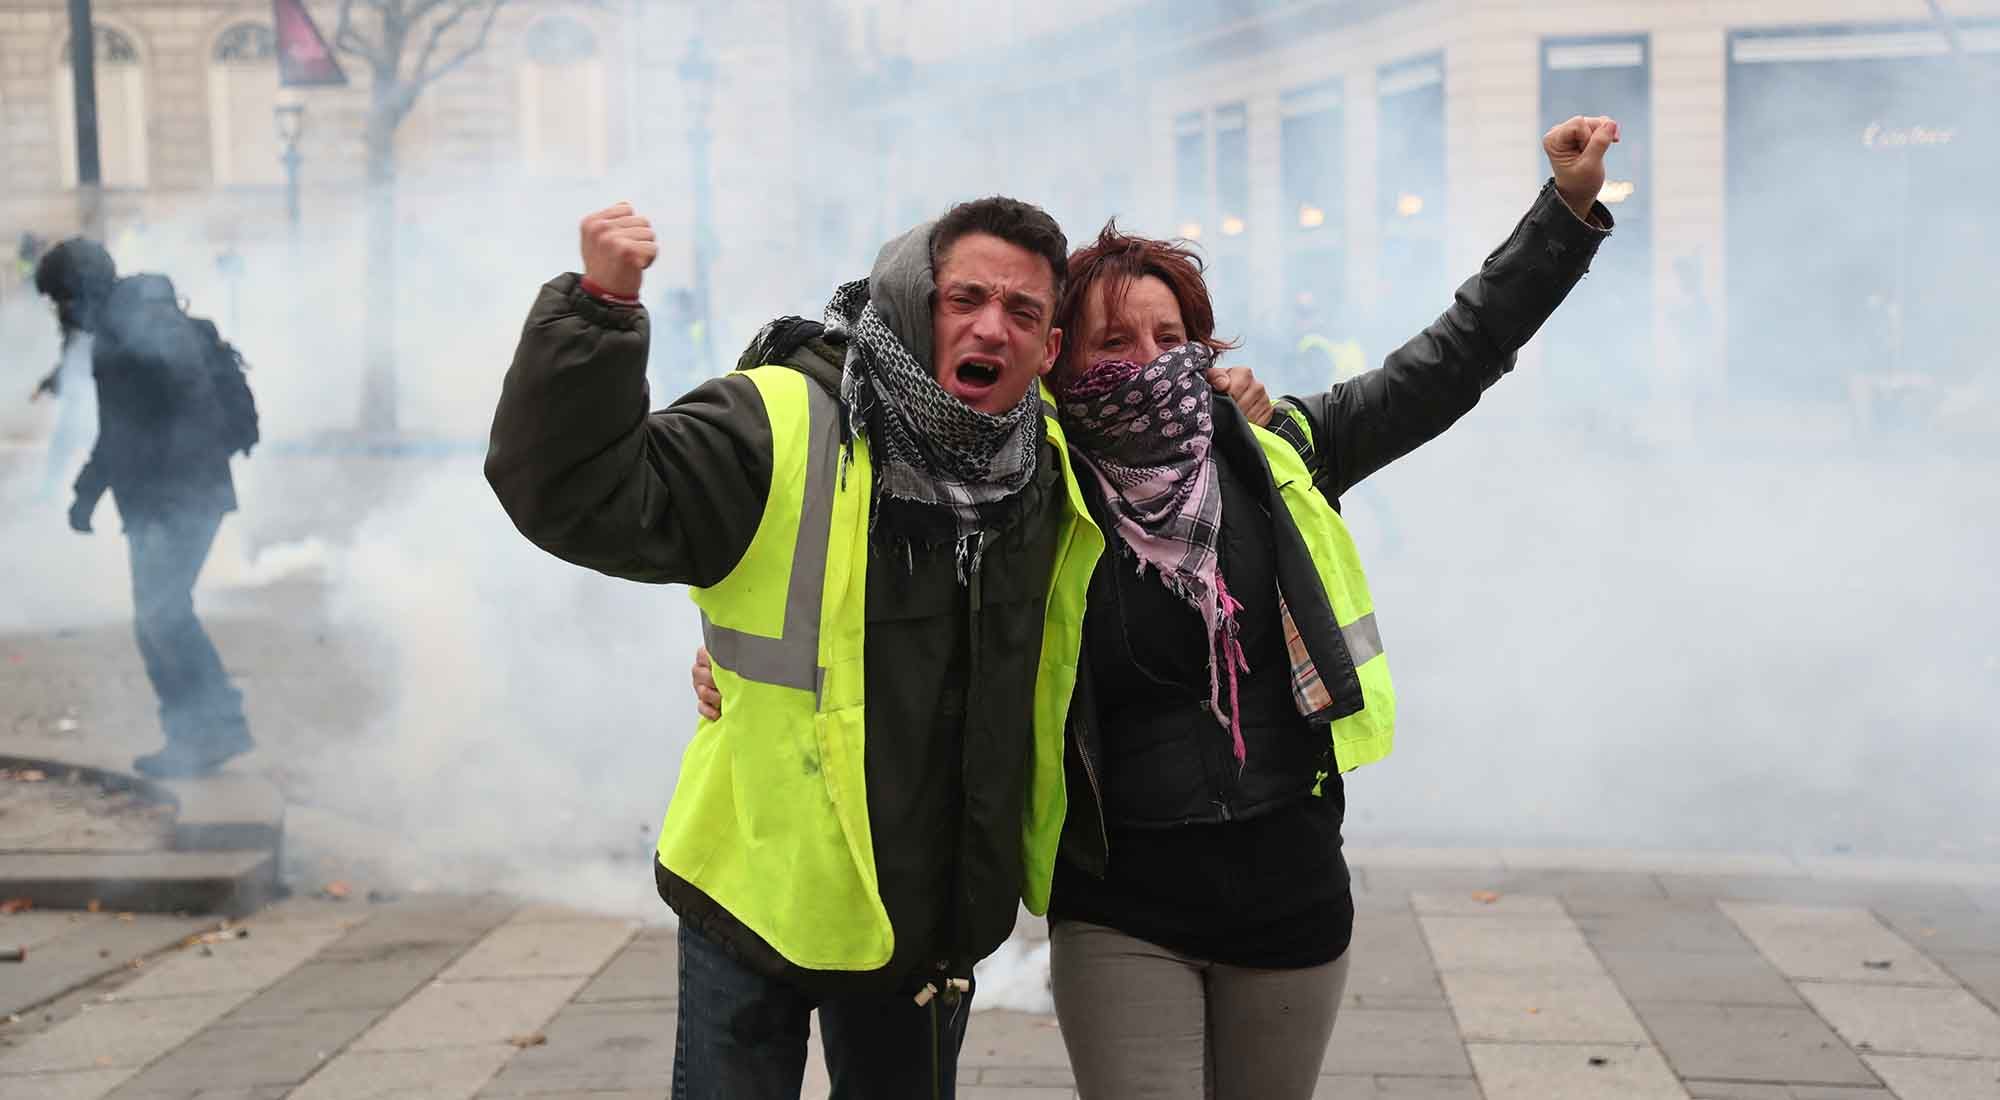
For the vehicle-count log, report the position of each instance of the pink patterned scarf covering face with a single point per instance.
(1146, 433)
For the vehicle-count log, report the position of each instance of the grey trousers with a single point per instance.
(1141, 1021)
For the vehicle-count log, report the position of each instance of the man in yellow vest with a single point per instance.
(890, 555)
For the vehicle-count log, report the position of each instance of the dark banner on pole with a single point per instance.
(303, 58)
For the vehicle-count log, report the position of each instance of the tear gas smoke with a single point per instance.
(1749, 629)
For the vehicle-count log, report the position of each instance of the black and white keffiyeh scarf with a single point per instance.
(944, 471)
(1147, 433)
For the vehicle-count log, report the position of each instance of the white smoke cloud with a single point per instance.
(538, 710)
(1685, 648)
(1015, 978)
(1746, 636)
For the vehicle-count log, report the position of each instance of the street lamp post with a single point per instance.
(697, 74)
(83, 75)
(291, 122)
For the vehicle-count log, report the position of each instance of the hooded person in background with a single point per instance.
(887, 543)
(172, 408)
(75, 276)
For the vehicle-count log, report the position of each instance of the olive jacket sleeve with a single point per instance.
(1423, 387)
(588, 474)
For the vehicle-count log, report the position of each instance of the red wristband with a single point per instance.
(591, 288)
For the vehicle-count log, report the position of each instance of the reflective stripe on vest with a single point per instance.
(1369, 734)
(1363, 638)
(792, 658)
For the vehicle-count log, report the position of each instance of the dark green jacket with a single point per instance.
(674, 496)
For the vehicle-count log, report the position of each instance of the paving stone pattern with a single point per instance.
(1592, 988)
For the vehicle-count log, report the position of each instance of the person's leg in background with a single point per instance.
(740, 1035)
(1268, 1029)
(1133, 1014)
(891, 1048)
(201, 711)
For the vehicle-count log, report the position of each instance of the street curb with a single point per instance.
(224, 855)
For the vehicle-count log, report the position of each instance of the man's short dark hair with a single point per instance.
(1016, 222)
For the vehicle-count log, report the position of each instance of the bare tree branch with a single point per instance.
(346, 39)
(422, 8)
(424, 76)
(349, 40)
(438, 30)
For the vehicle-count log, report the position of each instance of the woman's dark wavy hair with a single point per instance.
(1116, 259)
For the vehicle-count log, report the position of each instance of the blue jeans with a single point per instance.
(742, 1036)
(199, 706)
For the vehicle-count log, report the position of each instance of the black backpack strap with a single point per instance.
(1288, 422)
(775, 342)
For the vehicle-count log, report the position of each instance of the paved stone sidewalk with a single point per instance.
(1510, 979)
(1493, 974)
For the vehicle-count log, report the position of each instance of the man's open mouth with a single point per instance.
(978, 373)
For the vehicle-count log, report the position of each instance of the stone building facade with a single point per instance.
(570, 105)
(1344, 164)
(566, 95)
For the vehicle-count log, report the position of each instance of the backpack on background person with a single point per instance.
(232, 390)
(179, 363)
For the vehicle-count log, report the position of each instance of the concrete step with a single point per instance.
(229, 812)
(228, 832)
(147, 882)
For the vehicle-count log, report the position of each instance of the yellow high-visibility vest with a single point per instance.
(1369, 734)
(769, 817)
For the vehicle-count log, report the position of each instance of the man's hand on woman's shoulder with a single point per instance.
(1239, 384)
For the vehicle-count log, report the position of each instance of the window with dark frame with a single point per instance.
(1410, 199)
(1191, 210)
(1860, 224)
(1312, 182)
(1229, 248)
(1600, 344)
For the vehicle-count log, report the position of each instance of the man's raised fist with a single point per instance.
(618, 247)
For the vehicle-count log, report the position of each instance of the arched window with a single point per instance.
(121, 111)
(562, 99)
(246, 43)
(242, 90)
(113, 47)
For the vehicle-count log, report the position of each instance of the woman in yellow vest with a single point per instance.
(1231, 668)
